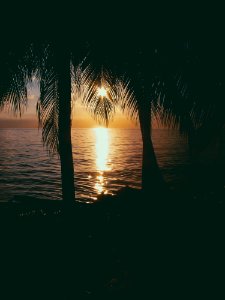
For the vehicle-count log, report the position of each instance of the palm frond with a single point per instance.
(81, 82)
(48, 109)
(41, 67)
(117, 93)
(13, 89)
(172, 105)
(102, 108)
(126, 98)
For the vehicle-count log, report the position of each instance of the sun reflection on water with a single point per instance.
(102, 162)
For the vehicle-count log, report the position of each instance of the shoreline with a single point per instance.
(124, 196)
(115, 247)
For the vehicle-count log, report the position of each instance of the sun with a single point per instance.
(102, 92)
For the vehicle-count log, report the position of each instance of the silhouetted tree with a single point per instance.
(140, 69)
(195, 103)
(171, 83)
(61, 80)
(53, 66)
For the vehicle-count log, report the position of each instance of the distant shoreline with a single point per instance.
(124, 128)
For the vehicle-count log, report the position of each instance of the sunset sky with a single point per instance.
(81, 118)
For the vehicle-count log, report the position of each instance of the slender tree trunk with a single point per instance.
(151, 176)
(65, 145)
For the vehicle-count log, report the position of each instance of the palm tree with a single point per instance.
(195, 102)
(52, 67)
(138, 103)
(121, 93)
(152, 88)
(165, 84)
(61, 82)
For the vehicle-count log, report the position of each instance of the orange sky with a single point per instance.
(81, 118)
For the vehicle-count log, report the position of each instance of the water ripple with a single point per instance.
(26, 168)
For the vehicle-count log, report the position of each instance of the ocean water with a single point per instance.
(104, 161)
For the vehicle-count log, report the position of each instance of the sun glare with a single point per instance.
(102, 148)
(102, 92)
(102, 161)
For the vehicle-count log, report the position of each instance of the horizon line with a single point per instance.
(133, 128)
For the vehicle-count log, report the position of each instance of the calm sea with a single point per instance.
(104, 159)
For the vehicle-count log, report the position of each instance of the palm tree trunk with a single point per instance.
(65, 145)
(151, 176)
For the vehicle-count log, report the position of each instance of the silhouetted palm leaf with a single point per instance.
(13, 92)
(42, 67)
(193, 99)
(103, 107)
